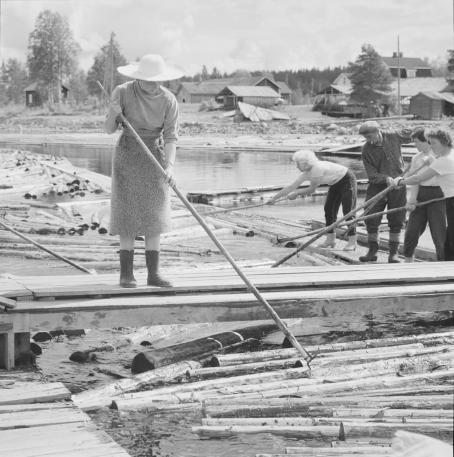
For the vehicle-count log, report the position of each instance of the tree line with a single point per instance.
(52, 62)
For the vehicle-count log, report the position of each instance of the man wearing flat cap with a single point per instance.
(382, 159)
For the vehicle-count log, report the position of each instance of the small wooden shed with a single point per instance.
(32, 96)
(254, 95)
(432, 105)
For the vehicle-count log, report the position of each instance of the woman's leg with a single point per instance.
(416, 225)
(152, 253)
(127, 262)
(331, 208)
(348, 196)
(449, 243)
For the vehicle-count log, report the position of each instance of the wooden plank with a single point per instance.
(7, 303)
(79, 439)
(189, 282)
(11, 288)
(341, 303)
(34, 393)
(50, 416)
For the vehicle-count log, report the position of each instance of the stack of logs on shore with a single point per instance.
(37, 176)
(359, 391)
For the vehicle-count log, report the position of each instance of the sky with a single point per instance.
(240, 34)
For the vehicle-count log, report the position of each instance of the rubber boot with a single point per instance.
(393, 249)
(329, 242)
(409, 260)
(351, 243)
(154, 278)
(126, 269)
(371, 255)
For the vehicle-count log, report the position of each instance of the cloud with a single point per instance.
(249, 34)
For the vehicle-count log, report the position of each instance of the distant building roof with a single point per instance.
(410, 63)
(32, 86)
(412, 86)
(283, 87)
(438, 96)
(336, 89)
(203, 88)
(250, 91)
(214, 86)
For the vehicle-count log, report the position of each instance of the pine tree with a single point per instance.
(104, 68)
(52, 52)
(369, 75)
(205, 74)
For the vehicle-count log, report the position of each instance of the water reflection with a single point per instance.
(198, 170)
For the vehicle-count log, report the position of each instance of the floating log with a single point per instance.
(103, 396)
(316, 405)
(234, 359)
(89, 354)
(246, 368)
(319, 432)
(324, 432)
(336, 451)
(350, 430)
(202, 347)
(321, 453)
(296, 421)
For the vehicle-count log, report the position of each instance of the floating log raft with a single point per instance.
(226, 196)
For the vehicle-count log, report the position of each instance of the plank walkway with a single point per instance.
(37, 419)
(330, 292)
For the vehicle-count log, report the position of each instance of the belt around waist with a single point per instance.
(429, 187)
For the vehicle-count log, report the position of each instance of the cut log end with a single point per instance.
(142, 363)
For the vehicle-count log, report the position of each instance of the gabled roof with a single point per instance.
(438, 96)
(336, 89)
(411, 63)
(214, 86)
(203, 88)
(412, 86)
(250, 91)
(32, 86)
(283, 87)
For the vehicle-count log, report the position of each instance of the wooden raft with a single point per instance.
(333, 294)
(37, 419)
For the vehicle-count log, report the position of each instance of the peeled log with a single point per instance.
(245, 368)
(434, 338)
(102, 396)
(320, 432)
(154, 358)
(341, 451)
(350, 430)
(320, 406)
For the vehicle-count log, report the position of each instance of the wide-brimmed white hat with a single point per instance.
(151, 67)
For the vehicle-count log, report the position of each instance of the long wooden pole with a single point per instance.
(239, 208)
(58, 256)
(279, 322)
(333, 226)
(366, 216)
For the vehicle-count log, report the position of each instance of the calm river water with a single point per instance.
(211, 170)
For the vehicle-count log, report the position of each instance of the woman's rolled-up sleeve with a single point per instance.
(170, 130)
(112, 119)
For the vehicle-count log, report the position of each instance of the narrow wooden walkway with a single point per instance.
(37, 419)
(336, 294)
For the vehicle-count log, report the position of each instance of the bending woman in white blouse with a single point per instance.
(342, 190)
(443, 169)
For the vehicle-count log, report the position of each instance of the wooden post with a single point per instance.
(6, 345)
(22, 352)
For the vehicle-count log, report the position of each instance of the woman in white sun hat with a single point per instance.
(140, 202)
